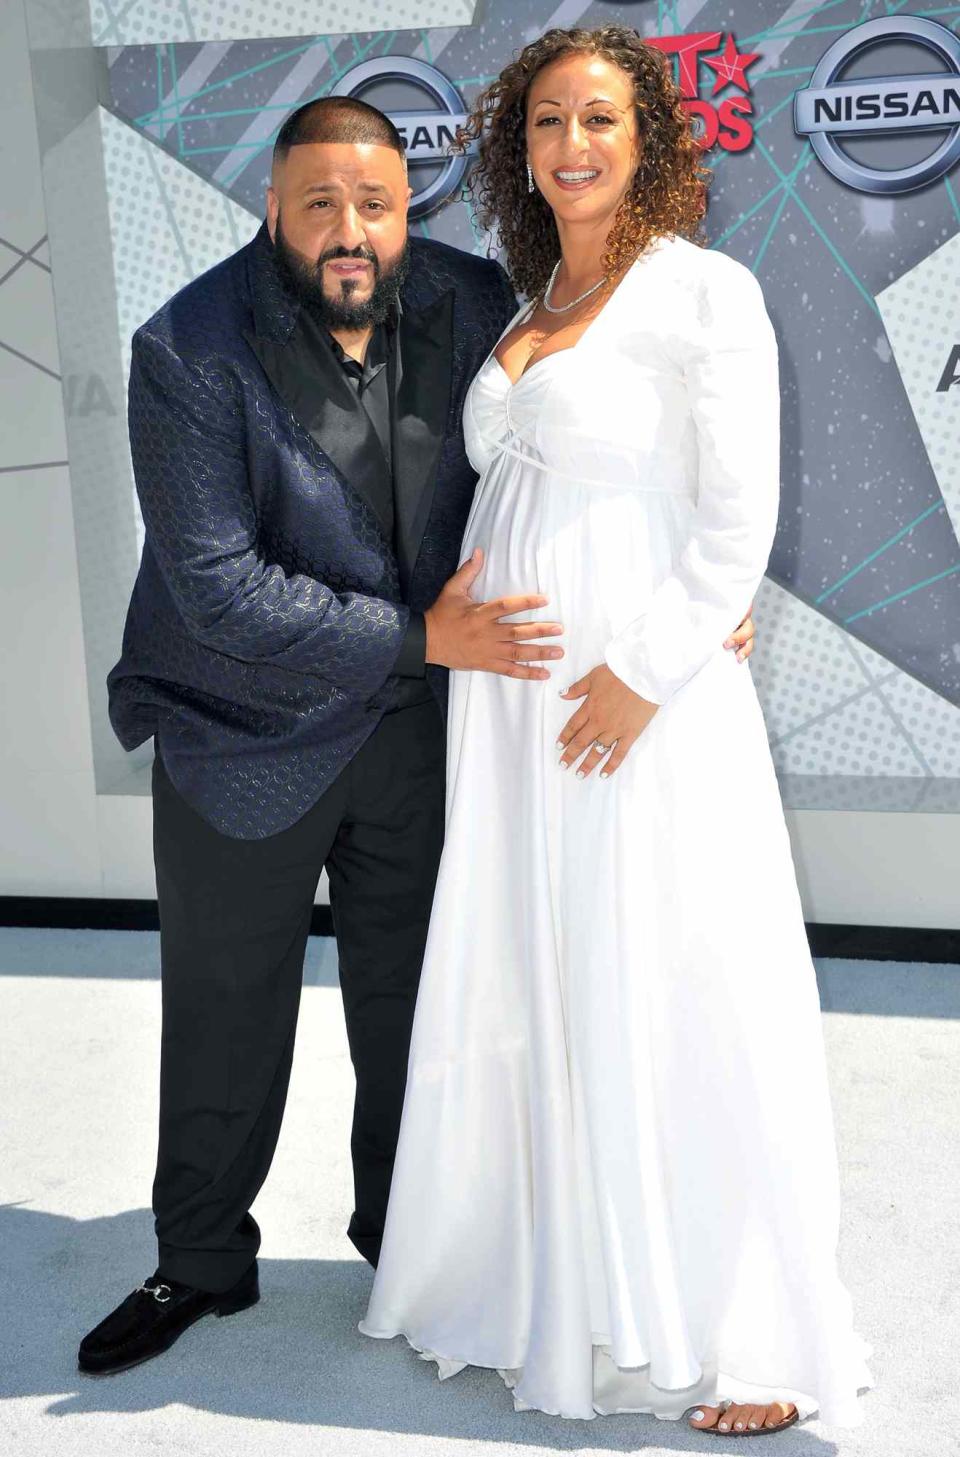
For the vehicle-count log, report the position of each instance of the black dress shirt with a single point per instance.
(369, 382)
(374, 384)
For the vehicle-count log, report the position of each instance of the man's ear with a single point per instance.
(273, 208)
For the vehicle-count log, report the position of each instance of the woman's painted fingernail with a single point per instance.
(579, 773)
(604, 774)
(564, 764)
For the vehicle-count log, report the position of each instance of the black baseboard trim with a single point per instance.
(79, 913)
(884, 943)
(859, 943)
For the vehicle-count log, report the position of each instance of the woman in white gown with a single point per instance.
(616, 1177)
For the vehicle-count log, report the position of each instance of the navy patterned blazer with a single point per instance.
(271, 602)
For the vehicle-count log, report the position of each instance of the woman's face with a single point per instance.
(582, 139)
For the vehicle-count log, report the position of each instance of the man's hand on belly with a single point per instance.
(462, 633)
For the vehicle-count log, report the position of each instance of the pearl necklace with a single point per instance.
(564, 308)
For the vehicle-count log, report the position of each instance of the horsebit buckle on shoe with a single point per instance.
(154, 1290)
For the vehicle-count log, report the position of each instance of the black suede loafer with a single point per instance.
(153, 1316)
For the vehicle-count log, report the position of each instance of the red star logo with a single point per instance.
(731, 67)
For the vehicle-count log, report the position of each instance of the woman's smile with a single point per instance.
(575, 179)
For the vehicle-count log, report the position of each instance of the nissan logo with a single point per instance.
(828, 108)
(427, 133)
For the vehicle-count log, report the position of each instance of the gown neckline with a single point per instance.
(570, 349)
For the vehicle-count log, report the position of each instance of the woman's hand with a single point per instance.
(611, 711)
(742, 637)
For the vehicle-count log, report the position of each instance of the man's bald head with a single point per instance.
(343, 119)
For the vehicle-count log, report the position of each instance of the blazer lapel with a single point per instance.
(423, 402)
(311, 384)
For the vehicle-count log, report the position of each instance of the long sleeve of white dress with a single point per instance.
(727, 350)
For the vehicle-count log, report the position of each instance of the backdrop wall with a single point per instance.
(141, 137)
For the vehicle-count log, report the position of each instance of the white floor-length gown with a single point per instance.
(616, 1179)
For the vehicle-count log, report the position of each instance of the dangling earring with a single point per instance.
(530, 186)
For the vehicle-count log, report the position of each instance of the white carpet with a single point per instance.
(79, 1023)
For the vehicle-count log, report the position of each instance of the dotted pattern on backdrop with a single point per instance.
(833, 706)
(167, 225)
(141, 22)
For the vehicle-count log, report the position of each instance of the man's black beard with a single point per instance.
(305, 282)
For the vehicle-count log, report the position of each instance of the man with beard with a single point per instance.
(294, 421)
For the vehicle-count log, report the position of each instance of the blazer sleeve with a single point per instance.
(727, 351)
(188, 445)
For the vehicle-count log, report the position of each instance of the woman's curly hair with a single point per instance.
(668, 191)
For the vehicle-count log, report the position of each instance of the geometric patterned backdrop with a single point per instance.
(859, 660)
(864, 534)
(146, 21)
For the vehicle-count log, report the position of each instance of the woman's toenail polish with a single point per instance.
(739, 1426)
(724, 1426)
(696, 1416)
(753, 1425)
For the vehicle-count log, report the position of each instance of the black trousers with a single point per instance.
(234, 920)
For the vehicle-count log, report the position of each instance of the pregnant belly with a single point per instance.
(507, 524)
(597, 555)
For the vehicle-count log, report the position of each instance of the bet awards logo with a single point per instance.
(726, 124)
(830, 108)
(428, 132)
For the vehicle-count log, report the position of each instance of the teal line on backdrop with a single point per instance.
(937, 506)
(907, 592)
